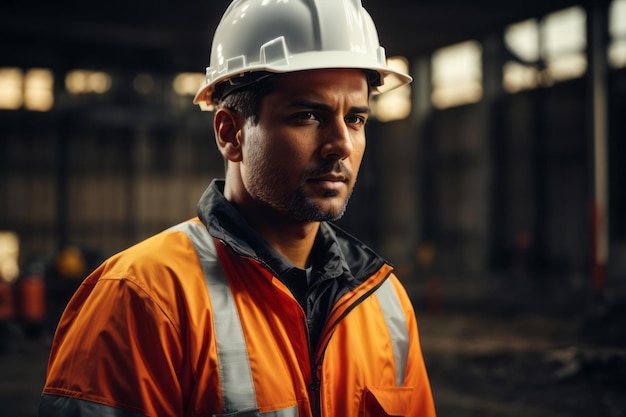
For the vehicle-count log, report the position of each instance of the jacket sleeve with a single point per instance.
(116, 352)
(422, 404)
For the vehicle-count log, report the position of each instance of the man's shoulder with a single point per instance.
(168, 254)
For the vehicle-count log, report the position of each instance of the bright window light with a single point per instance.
(567, 67)
(395, 104)
(11, 88)
(457, 75)
(564, 31)
(188, 83)
(617, 19)
(617, 30)
(564, 41)
(522, 39)
(617, 54)
(9, 253)
(518, 77)
(85, 82)
(558, 42)
(38, 90)
(99, 82)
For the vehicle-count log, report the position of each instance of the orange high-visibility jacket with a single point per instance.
(200, 321)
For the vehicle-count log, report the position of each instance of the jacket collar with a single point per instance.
(338, 253)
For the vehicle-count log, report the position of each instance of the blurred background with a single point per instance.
(495, 182)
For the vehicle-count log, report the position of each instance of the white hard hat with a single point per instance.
(257, 37)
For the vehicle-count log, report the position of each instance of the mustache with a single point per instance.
(336, 167)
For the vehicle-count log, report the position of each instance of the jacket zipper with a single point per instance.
(357, 302)
(315, 394)
(315, 387)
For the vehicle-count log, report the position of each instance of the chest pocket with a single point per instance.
(385, 401)
(390, 400)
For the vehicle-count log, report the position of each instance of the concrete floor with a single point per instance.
(524, 366)
(530, 366)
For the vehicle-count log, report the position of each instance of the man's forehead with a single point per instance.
(322, 82)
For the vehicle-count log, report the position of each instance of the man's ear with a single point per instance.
(228, 125)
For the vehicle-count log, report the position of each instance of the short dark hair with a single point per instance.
(247, 100)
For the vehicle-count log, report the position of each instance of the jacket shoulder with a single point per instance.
(163, 266)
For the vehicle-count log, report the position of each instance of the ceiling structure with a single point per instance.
(167, 36)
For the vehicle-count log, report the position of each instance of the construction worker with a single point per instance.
(259, 306)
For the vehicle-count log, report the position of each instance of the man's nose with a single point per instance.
(337, 140)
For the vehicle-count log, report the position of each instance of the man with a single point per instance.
(258, 307)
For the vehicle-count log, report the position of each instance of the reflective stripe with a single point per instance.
(235, 373)
(287, 412)
(397, 326)
(59, 406)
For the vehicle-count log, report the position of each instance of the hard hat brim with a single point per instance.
(389, 78)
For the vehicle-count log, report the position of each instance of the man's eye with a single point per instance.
(305, 115)
(356, 120)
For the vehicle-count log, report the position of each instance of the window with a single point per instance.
(9, 253)
(395, 104)
(11, 88)
(546, 51)
(522, 39)
(188, 83)
(617, 31)
(38, 90)
(564, 38)
(457, 75)
(33, 90)
(86, 82)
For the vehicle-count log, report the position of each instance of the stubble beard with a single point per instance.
(303, 209)
(298, 206)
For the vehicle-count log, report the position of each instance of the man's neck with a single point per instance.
(294, 241)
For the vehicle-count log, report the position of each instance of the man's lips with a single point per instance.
(329, 177)
(328, 181)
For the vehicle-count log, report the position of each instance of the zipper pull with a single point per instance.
(314, 397)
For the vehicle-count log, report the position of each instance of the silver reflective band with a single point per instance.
(286, 412)
(396, 324)
(60, 406)
(235, 374)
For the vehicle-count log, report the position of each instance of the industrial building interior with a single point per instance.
(494, 182)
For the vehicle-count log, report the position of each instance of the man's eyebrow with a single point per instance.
(360, 109)
(326, 108)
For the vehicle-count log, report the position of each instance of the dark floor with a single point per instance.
(524, 366)
(22, 372)
(530, 366)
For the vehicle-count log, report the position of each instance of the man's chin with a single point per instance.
(312, 207)
(316, 213)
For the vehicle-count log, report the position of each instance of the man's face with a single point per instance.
(302, 158)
